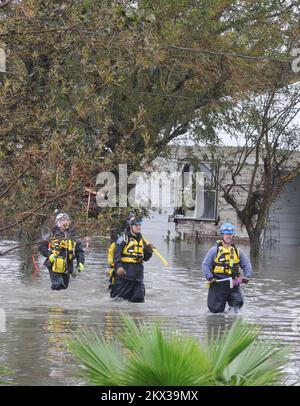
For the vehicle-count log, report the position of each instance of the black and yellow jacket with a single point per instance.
(130, 253)
(58, 235)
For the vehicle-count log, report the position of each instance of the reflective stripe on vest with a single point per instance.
(227, 260)
(133, 251)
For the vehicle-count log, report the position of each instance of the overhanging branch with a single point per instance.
(5, 3)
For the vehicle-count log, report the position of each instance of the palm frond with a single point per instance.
(153, 355)
(225, 348)
(102, 361)
(4, 372)
(164, 358)
(258, 365)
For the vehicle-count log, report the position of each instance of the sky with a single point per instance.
(227, 140)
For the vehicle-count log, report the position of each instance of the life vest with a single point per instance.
(227, 260)
(133, 252)
(64, 251)
(110, 260)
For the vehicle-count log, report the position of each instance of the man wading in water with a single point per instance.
(126, 257)
(222, 261)
(61, 249)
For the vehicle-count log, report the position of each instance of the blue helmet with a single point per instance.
(227, 228)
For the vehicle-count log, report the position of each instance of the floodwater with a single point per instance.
(34, 321)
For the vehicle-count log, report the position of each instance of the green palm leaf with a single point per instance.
(257, 365)
(4, 372)
(163, 358)
(153, 355)
(225, 348)
(102, 361)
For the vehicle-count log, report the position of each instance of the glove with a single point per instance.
(80, 267)
(121, 271)
(52, 258)
(239, 280)
(211, 281)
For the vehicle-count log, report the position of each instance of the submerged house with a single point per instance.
(203, 218)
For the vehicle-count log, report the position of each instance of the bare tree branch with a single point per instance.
(32, 244)
(5, 3)
(46, 202)
(231, 54)
(18, 178)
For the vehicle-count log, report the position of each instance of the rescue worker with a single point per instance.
(129, 254)
(225, 260)
(60, 249)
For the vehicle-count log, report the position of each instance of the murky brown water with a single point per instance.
(38, 320)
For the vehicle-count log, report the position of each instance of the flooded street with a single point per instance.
(38, 319)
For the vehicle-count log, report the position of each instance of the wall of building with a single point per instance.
(284, 219)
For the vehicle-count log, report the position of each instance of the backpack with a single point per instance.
(110, 260)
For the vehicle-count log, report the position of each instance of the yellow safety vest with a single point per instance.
(110, 260)
(65, 251)
(110, 254)
(133, 251)
(227, 260)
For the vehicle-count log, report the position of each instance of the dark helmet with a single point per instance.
(132, 221)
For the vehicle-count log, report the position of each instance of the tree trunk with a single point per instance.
(255, 245)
